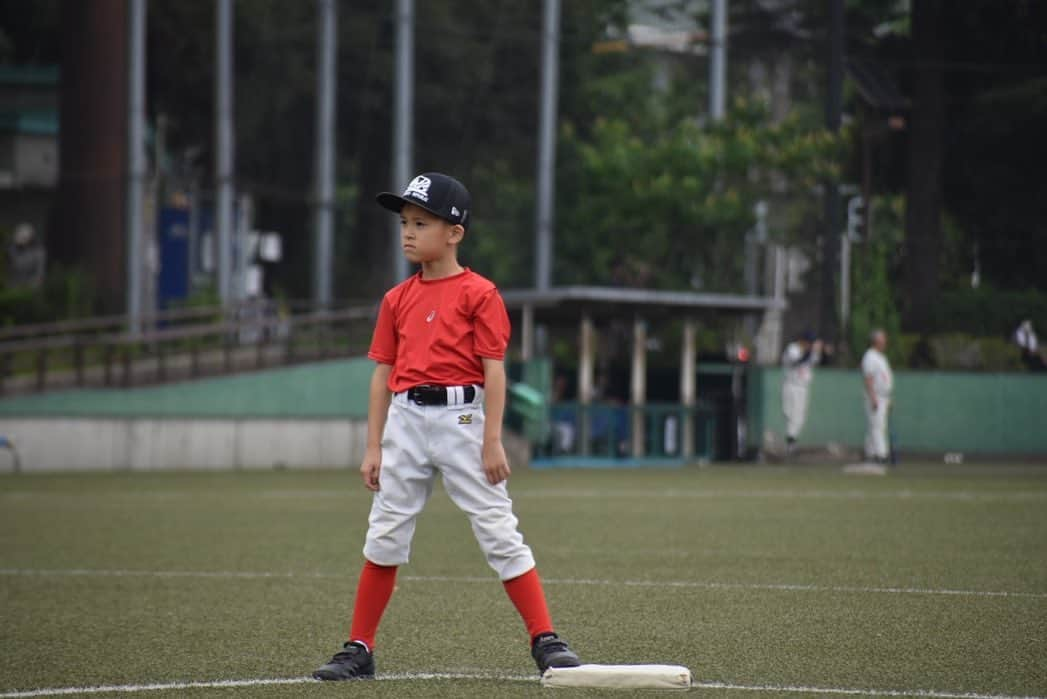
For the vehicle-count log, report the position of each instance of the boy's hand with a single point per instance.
(496, 466)
(370, 468)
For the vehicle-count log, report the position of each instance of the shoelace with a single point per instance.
(554, 645)
(349, 653)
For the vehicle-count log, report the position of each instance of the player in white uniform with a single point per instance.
(879, 382)
(1025, 338)
(798, 361)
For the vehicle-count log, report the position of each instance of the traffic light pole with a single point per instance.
(856, 231)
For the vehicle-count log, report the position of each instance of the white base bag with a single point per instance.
(865, 469)
(619, 677)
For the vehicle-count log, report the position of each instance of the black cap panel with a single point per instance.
(437, 193)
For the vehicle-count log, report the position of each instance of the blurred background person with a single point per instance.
(879, 381)
(26, 258)
(1025, 338)
(798, 361)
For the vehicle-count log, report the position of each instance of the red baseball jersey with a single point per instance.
(437, 331)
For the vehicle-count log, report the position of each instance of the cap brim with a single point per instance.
(396, 204)
(393, 202)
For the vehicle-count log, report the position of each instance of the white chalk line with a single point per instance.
(684, 584)
(950, 495)
(415, 676)
(586, 493)
(223, 684)
(848, 691)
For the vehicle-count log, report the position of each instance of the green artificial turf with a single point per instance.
(753, 577)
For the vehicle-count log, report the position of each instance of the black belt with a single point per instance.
(437, 395)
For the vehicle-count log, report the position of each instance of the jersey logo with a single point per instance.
(419, 188)
(466, 419)
(429, 318)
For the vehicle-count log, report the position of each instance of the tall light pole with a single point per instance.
(324, 157)
(718, 61)
(403, 120)
(136, 160)
(830, 326)
(223, 218)
(545, 200)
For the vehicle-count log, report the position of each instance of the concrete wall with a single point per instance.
(146, 444)
(932, 411)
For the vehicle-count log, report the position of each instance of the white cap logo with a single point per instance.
(455, 212)
(419, 188)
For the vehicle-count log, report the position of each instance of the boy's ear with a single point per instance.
(457, 233)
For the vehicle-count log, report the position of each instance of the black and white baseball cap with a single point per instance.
(437, 193)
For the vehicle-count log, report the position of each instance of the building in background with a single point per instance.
(28, 147)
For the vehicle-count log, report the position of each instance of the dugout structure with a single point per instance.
(586, 307)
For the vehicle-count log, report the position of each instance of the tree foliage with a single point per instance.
(649, 202)
(875, 263)
(646, 193)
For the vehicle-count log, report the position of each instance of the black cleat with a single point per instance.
(353, 662)
(549, 650)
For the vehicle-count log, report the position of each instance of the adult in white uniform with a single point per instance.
(798, 361)
(879, 382)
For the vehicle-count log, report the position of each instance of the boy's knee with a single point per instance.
(387, 552)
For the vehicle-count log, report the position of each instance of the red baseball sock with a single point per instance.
(372, 596)
(529, 599)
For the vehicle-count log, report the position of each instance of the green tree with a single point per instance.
(664, 204)
(875, 263)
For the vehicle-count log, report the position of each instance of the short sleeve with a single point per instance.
(383, 342)
(491, 326)
(868, 367)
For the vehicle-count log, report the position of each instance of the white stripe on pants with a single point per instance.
(419, 442)
(876, 428)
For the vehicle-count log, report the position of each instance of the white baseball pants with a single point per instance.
(876, 428)
(419, 442)
(794, 407)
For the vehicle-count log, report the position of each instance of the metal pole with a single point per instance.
(223, 217)
(688, 369)
(833, 218)
(845, 281)
(638, 387)
(718, 61)
(586, 361)
(545, 203)
(323, 206)
(136, 167)
(242, 228)
(403, 120)
(527, 333)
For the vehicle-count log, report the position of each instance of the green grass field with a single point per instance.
(794, 581)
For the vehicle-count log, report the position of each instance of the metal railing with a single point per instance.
(98, 352)
(603, 430)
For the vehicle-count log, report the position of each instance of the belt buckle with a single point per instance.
(423, 392)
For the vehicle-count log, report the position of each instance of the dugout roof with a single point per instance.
(565, 301)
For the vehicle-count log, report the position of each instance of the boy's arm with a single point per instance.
(377, 411)
(496, 466)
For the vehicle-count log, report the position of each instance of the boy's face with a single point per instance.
(425, 237)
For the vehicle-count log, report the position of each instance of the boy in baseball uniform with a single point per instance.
(436, 403)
